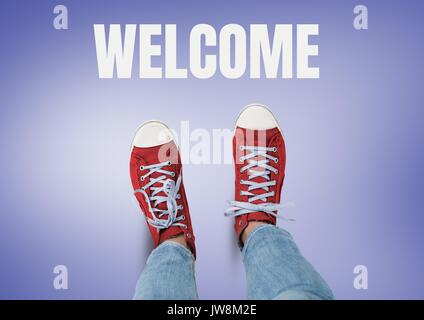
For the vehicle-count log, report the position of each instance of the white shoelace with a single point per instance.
(265, 168)
(171, 190)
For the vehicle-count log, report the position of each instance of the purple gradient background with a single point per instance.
(354, 143)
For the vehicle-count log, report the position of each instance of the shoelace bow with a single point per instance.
(263, 169)
(169, 188)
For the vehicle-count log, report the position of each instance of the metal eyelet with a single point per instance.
(241, 148)
(183, 217)
(169, 163)
(178, 196)
(141, 167)
(188, 235)
(241, 159)
(274, 149)
(172, 174)
(276, 160)
(142, 178)
(180, 207)
(276, 171)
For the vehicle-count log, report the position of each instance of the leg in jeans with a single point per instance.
(275, 269)
(168, 274)
(156, 176)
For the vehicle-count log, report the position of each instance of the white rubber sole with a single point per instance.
(260, 106)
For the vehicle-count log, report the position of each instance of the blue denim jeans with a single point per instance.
(275, 269)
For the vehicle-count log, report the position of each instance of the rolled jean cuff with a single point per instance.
(258, 230)
(166, 245)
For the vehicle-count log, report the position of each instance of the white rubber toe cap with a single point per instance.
(256, 117)
(152, 133)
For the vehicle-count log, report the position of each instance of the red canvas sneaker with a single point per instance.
(156, 176)
(260, 158)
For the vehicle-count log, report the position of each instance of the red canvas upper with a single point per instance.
(148, 156)
(263, 138)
